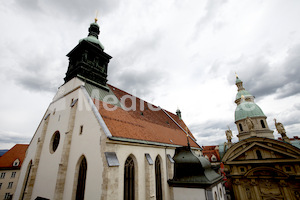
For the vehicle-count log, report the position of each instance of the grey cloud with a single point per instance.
(211, 8)
(297, 106)
(140, 83)
(29, 5)
(37, 83)
(213, 128)
(124, 67)
(74, 9)
(13, 138)
(289, 89)
(35, 72)
(262, 79)
(138, 49)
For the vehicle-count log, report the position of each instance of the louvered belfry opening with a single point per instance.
(158, 179)
(81, 180)
(129, 179)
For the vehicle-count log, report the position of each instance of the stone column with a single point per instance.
(256, 189)
(36, 161)
(63, 165)
(286, 192)
(237, 188)
(150, 181)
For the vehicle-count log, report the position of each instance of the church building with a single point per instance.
(96, 141)
(258, 166)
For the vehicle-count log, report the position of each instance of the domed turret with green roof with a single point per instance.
(94, 31)
(249, 117)
(248, 109)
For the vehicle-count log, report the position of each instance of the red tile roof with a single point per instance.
(17, 152)
(293, 138)
(209, 151)
(143, 124)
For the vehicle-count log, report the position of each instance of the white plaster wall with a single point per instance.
(45, 181)
(87, 144)
(189, 193)
(30, 153)
(138, 151)
(220, 191)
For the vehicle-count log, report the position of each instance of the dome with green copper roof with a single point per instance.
(248, 109)
(93, 35)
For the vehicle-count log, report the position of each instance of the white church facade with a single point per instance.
(96, 141)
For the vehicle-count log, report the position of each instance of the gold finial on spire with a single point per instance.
(236, 75)
(96, 18)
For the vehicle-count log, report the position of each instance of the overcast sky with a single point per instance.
(172, 53)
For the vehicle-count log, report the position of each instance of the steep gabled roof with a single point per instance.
(143, 123)
(17, 152)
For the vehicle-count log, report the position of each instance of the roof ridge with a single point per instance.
(180, 127)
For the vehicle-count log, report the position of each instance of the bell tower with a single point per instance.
(88, 61)
(249, 118)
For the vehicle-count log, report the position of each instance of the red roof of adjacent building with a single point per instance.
(209, 151)
(17, 152)
(293, 138)
(144, 124)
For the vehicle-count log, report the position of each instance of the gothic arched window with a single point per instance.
(158, 179)
(129, 179)
(81, 180)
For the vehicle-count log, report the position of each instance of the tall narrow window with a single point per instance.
(129, 179)
(26, 179)
(10, 184)
(13, 175)
(7, 196)
(241, 127)
(262, 124)
(2, 175)
(54, 141)
(81, 180)
(258, 153)
(158, 179)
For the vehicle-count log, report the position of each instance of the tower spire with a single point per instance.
(178, 113)
(88, 61)
(96, 18)
(239, 83)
